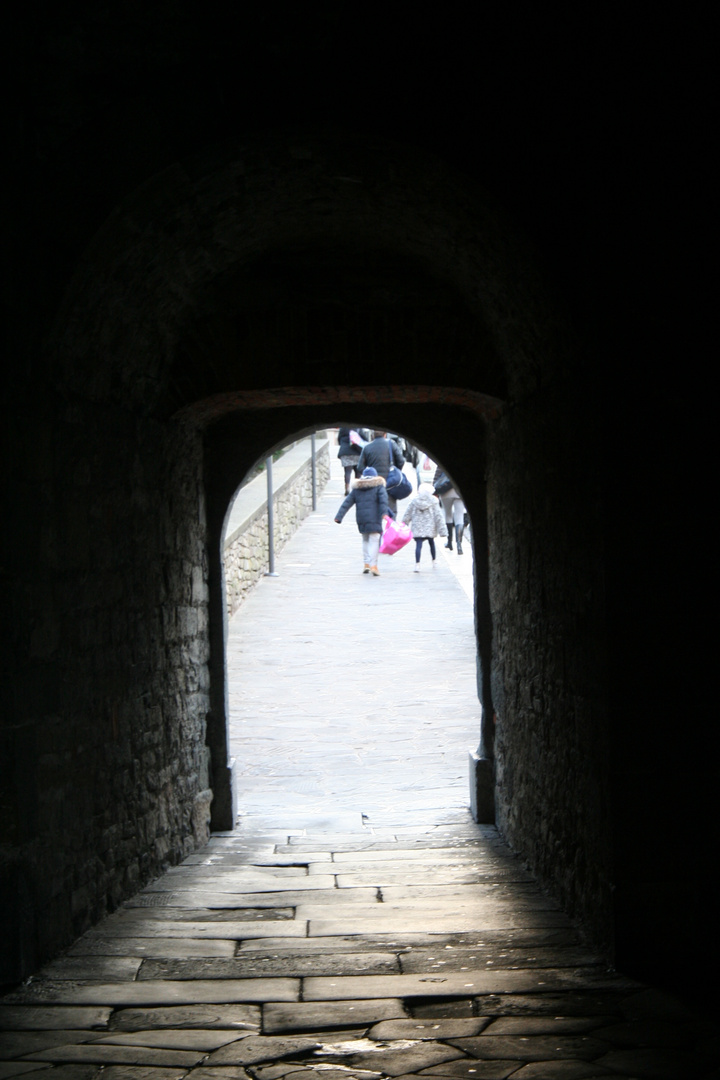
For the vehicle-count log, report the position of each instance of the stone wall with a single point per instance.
(246, 549)
(546, 588)
(110, 647)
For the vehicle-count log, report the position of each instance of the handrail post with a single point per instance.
(313, 471)
(271, 519)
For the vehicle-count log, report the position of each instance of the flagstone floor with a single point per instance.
(357, 923)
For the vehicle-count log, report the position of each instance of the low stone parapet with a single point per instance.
(245, 555)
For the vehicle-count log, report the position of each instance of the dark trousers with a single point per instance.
(419, 544)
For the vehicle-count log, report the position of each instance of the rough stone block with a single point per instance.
(306, 1015)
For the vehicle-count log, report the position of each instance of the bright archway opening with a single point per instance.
(352, 700)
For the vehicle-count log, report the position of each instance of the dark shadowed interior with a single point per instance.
(224, 229)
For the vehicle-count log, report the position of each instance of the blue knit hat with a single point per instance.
(369, 471)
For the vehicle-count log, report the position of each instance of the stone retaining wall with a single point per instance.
(246, 549)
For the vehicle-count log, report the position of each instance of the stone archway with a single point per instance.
(273, 412)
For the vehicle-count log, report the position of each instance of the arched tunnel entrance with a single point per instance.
(352, 703)
(430, 417)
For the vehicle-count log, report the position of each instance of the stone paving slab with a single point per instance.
(534, 1047)
(296, 1071)
(382, 878)
(20, 1068)
(231, 859)
(418, 854)
(68, 1072)
(205, 1039)
(220, 991)
(571, 1002)
(227, 1072)
(547, 1025)
(529, 938)
(230, 1017)
(185, 876)
(472, 1069)
(15, 1044)
(392, 1059)
(259, 1048)
(103, 968)
(118, 1055)
(439, 923)
(246, 885)
(289, 965)
(495, 892)
(564, 1070)
(429, 1029)
(424, 960)
(159, 928)
(48, 1017)
(459, 984)
(305, 1015)
(161, 948)
(280, 898)
(125, 915)
(306, 846)
(465, 899)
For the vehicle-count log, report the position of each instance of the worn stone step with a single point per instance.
(289, 965)
(266, 913)
(96, 1054)
(438, 922)
(163, 992)
(45, 1017)
(422, 960)
(305, 1015)
(277, 898)
(161, 948)
(157, 928)
(246, 885)
(525, 937)
(234, 1017)
(459, 984)
(206, 1039)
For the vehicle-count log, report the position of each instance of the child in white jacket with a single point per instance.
(426, 521)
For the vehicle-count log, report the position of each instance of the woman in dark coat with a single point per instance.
(371, 504)
(349, 454)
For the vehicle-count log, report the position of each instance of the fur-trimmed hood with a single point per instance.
(365, 482)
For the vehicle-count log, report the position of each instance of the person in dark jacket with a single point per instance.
(381, 454)
(349, 454)
(369, 497)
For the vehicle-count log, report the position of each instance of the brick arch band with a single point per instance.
(204, 412)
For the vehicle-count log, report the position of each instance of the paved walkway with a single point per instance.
(356, 924)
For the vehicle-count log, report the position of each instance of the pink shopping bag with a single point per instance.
(396, 535)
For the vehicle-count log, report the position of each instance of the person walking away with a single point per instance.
(370, 499)
(349, 454)
(381, 454)
(454, 510)
(426, 521)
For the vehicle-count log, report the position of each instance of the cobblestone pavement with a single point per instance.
(356, 924)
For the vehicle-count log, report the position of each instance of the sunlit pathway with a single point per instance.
(353, 700)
